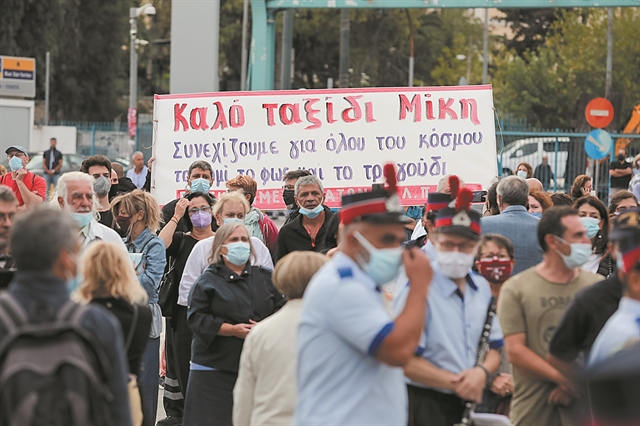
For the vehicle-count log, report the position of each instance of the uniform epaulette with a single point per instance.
(345, 272)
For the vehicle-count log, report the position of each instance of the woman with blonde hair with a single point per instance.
(226, 301)
(110, 281)
(138, 215)
(265, 392)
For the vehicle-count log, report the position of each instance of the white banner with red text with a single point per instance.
(344, 137)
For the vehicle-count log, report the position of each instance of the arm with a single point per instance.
(422, 371)
(530, 363)
(245, 387)
(166, 235)
(399, 346)
(155, 259)
(58, 165)
(263, 257)
(45, 166)
(30, 198)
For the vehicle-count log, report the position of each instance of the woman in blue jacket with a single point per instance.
(138, 215)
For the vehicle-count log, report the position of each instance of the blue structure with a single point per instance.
(598, 144)
(261, 68)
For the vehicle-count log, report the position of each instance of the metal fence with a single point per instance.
(110, 139)
(517, 142)
(565, 156)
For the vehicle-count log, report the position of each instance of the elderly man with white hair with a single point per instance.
(138, 174)
(75, 195)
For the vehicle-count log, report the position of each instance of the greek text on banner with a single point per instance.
(344, 137)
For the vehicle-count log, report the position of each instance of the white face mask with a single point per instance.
(455, 264)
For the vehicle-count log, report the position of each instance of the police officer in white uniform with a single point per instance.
(350, 348)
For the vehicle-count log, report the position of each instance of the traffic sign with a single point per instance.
(17, 76)
(597, 144)
(599, 113)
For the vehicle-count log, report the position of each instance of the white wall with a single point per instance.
(16, 123)
(65, 136)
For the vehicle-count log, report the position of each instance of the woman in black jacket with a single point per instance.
(110, 281)
(228, 299)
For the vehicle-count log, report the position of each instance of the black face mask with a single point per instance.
(620, 158)
(288, 197)
(113, 191)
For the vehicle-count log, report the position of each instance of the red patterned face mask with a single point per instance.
(495, 270)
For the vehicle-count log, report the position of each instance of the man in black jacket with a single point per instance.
(45, 247)
(307, 231)
(51, 164)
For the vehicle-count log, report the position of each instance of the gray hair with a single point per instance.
(221, 235)
(514, 191)
(443, 184)
(62, 189)
(136, 154)
(308, 180)
(38, 236)
(7, 195)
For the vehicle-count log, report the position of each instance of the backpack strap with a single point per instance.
(12, 315)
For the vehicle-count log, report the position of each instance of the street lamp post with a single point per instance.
(134, 13)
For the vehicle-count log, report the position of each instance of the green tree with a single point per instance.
(85, 39)
(544, 86)
(530, 27)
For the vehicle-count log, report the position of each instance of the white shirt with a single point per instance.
(96, 231)
(198, 261)
(418, 231)
(622, 328)
(265, 392)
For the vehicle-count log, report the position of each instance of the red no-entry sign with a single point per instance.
(599, 113)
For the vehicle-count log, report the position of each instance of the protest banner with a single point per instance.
(344, 137)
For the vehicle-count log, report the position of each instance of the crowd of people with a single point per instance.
(442, 314)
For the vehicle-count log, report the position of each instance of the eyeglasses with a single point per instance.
(205, 209)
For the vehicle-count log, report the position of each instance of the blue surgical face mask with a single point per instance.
(82, 219)
(522, 174)
(312, 214)
(592, 225)
(74, 282)
(538, 215)
(238, 253)
(228, 220)
(383, 264)
(579, 255)
(201, 185)
(15, 163)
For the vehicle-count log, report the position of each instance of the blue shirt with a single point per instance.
(623, 326)
(454, 322)
(342, 325)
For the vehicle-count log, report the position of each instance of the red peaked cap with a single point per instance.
(379, 206)
(457, 217)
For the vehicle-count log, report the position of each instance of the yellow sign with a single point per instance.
(19, 64)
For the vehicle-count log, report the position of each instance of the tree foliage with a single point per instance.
(85, 40)
(530, 27)
(544, 86)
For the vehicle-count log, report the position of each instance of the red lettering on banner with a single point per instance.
(179, 119)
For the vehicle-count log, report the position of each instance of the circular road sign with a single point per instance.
(598, 144)
(599, 113)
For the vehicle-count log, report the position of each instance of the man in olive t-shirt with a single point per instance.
(530, 307)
